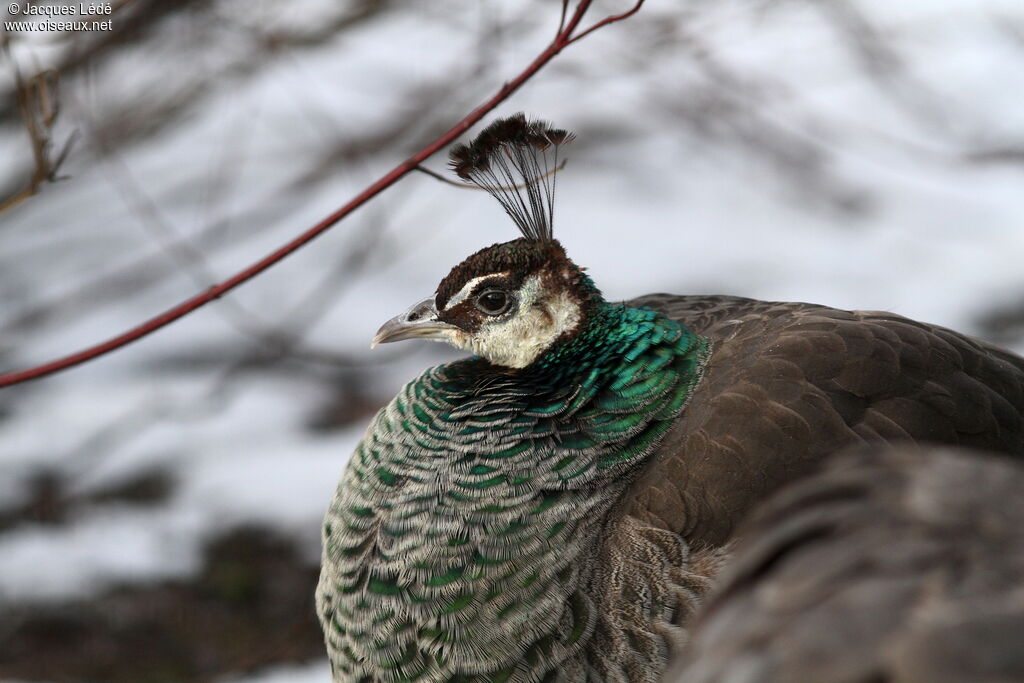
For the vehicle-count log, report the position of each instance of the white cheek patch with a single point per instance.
(467, 288)
(519, 340)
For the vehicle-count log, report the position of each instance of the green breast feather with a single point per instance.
(455, 547)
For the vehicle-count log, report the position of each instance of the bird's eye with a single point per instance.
(493, 302)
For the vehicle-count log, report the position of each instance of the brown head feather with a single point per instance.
(520, 258)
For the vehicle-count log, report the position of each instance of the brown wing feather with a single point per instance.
(898, 565)
(789, 383)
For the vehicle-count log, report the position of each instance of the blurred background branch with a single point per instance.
(38, 107)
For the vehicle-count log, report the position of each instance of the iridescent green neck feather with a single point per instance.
(457, 546)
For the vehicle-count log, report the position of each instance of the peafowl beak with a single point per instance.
(419, 322)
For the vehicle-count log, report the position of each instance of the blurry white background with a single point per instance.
(163, 504)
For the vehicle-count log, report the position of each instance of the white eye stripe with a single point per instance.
(469, 287)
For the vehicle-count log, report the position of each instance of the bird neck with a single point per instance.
(609, 341)
(463, 536)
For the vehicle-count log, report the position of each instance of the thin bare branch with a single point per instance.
(608, 20)
(39, 107)
(561, 19)
(447, 181)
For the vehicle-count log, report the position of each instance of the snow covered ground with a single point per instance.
(773, 150)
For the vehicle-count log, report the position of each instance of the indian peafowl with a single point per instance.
(899, 564)
(554, 507)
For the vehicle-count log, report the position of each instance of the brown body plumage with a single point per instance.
(900, 565)
(787, 384)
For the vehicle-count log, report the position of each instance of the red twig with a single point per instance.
(561, 19)
(608, 20)
(564, 38)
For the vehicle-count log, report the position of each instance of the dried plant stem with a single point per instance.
(38, 107)
(565, 37)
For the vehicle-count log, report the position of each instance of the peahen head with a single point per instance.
(510, 302)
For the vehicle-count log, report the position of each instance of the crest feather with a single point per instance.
(516, 161)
